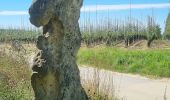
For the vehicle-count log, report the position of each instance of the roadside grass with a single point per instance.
(97, 88)
(15, 75)
(14, 79)
(149, 62)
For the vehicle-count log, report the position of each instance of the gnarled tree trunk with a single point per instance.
(56, 74)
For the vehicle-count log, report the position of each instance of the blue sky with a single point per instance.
(14, 12)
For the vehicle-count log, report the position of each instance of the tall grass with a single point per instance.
(144, 62)
(14, 79)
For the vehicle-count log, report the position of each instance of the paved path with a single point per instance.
(128, 87)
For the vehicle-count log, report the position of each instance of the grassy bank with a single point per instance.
(14, 79)
(15, 83)
(144, 62)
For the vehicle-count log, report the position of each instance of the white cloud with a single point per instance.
(94, 8)
(11, 13)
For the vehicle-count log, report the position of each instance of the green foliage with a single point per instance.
(115, 32)
(110, 34)
(158, 32)
(153, 30)
(7, 35)
(167, 27)
(145, 62)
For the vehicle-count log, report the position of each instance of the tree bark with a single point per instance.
(56, 74)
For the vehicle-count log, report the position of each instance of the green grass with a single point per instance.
(145, 62)
(14, 79)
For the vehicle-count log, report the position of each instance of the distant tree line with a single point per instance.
(7, 35)
(110, 33)
(167, 28)
(127, 32)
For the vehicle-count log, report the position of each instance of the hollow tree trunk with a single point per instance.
(56, 74)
